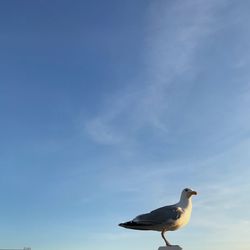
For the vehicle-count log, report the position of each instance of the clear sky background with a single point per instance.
(110, 108)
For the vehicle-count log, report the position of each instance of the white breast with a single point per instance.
(185, 217)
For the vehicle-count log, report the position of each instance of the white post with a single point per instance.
(170, 248)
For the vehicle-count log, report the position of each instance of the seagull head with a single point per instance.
(187, 193)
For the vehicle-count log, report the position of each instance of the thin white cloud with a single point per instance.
(170, 49)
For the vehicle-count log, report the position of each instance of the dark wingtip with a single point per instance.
(121, 224)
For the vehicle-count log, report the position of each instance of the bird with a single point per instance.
(167, 218)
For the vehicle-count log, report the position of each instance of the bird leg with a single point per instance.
(162, 235)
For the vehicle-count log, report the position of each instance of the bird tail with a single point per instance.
(134, 225)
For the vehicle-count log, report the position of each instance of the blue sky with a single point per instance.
(110, 108)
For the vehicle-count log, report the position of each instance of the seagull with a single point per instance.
(168, 218)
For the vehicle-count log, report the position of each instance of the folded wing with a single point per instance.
(163, 215)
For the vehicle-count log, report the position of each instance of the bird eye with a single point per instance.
(186, 190)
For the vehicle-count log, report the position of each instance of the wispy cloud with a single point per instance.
(173, 38)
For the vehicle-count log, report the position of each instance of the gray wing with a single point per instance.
(159, 216)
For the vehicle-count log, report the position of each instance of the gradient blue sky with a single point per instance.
(110, 108)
